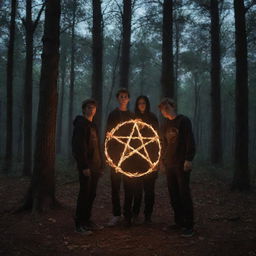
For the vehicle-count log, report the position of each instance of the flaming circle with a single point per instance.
(133, 148)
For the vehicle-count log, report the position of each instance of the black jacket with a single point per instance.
(178, 141)
(85, 145)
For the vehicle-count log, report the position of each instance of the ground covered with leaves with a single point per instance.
(225, 222)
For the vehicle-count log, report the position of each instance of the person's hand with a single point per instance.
(86, 172)
(187, 166)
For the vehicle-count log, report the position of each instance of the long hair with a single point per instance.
(147, 110)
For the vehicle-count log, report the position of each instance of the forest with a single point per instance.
(54, 54)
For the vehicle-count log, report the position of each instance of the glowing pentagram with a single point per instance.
(131, 144)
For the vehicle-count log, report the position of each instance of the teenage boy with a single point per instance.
(178, 153)
(118, 115)
(86, 151)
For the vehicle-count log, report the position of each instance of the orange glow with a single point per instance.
(129, 150)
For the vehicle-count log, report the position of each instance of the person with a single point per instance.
(118, 115)
(142, 112)
(86, 151)
(178, 153)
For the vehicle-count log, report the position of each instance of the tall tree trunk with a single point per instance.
(72, 77)
(30, 27)
(216, 135)
(167, 77)
(9, 85)
(126, 44)
(241, 179)
(41, 194)
(97, 52)
(63, 69)
(28, 91)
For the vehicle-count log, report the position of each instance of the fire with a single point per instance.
(129, 150)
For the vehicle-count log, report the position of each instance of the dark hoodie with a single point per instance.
(178, 141)
(85, 145)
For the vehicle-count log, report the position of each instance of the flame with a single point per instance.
(130, 150)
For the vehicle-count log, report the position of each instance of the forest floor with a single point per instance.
(225, 223)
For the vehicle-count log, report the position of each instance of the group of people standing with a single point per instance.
(178, 150)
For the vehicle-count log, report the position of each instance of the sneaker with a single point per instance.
(188, 232)
(83, 230)
(90, 225)
(114, 221)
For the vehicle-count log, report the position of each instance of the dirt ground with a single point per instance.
(225, 223)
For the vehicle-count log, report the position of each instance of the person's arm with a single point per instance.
(190, 144)
(80, 147)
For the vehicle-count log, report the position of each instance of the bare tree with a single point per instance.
(241, 178)
(41, 194)
(9, 85)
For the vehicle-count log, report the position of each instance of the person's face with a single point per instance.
(167, 110)
(90, 110)
(142, 105)
(123, 99)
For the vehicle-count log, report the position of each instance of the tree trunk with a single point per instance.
(126, 44)
(28, 91)
(241, 179)
(72, 77)
(167, 77)
(9, 90)
(97, 53)
(216, 135)
(41, 194)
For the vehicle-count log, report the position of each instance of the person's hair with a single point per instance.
(147, 104)
(122, 90)
(88, 102)
(166, 101)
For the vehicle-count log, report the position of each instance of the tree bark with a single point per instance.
(126, 44)
(41, 194)
(167, 75)
(30, 27)
(72, 77)
(241, 178)
(28, 91)
(97, 53)
(216, 134)
(9, 89)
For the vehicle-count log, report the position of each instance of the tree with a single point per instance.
(72, 74)
(30, 27)
(241, 178)
(9, 86)
(97, 53)
(41, 194)
(167, 76)
(216, 135)
(126, 43)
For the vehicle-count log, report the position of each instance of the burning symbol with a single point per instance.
(135, 142)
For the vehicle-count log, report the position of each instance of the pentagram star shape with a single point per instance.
(129, 148)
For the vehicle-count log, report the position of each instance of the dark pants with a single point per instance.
(116, 179)
(180, 196)
(86, 196)
(149, 193)
(132, 196)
